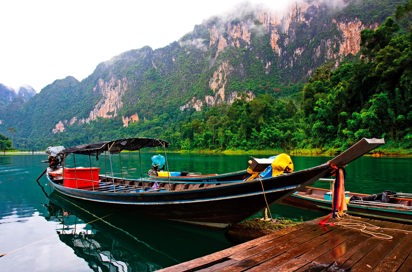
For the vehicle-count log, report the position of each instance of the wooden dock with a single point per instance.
(350, 244)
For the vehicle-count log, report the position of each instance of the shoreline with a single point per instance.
(386, 153)
(379, 153)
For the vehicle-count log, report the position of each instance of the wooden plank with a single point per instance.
(299, 236)
(273, 249)
(330, 251)
(396, 226)
(394, 260)
(377, 248)
(259, 244)
(374, 254)
(365, 244)
(338, 254)
(311, 247)
(370, 244)
(220, 255)
(393, 225)
(301, 254)
(217, 266)
(290, 258)
(179, 187)
(256, 245)
(407, 264)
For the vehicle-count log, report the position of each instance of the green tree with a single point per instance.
(12, 131)
(5, 143)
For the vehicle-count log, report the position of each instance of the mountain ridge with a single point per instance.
(220, 61)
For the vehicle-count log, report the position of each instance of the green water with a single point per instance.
(40, 231)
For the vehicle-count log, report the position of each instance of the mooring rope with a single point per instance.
(266, 201)
(89, 222)
(122, 230)
(364, 227)
(47, 237)
(348, 222)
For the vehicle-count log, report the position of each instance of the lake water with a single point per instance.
(40, 231)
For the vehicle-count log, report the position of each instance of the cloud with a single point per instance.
(47, 40)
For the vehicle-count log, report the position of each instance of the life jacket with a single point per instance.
(281, 163)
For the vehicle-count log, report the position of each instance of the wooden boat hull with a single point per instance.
(216, 206)
(214, 201)
(384, 211)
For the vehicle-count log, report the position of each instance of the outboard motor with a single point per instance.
(55, 156)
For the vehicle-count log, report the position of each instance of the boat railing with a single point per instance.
(327, 179)
(404, 195)
(381, 204)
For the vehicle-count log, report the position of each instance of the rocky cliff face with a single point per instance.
(111, 93)
(251, 51)
(292, 37)
(130, 119)
(351, 36)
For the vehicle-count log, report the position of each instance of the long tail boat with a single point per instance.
(387, 205)
(215, 202)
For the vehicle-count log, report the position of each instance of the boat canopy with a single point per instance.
(115, 146)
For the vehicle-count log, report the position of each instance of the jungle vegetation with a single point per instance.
(367, 95)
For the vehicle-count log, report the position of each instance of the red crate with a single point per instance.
(81, 177)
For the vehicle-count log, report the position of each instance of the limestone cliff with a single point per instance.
(130, 119)
(111, 93)
(351, 36)
(290, 37)
(288, 40)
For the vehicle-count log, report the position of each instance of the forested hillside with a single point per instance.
(366, 96)
(317, 77)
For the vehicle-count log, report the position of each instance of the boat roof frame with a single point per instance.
(115, 146)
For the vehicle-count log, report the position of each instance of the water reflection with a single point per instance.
(110, 240)
(29, 222)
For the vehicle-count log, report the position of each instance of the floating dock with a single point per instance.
(349, 244)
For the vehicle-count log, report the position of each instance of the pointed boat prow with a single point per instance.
(355, 151)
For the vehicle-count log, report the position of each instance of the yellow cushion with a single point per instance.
(282, 163)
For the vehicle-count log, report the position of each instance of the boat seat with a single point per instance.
(194, 186)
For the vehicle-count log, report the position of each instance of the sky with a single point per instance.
(45, 40)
